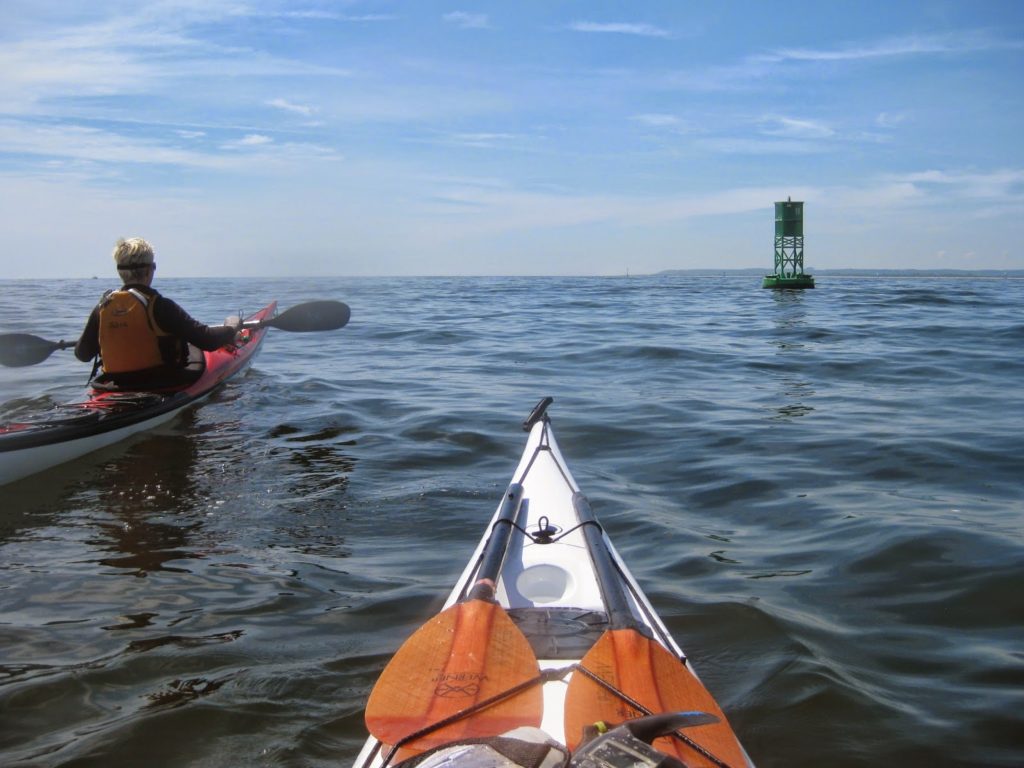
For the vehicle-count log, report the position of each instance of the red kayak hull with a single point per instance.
(104, 418)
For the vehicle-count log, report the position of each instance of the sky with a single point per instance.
(314, 138)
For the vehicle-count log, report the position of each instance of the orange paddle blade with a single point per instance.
(461, 657)
(652, 676)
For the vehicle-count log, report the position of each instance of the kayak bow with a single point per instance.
(105, 418)
(600, 653)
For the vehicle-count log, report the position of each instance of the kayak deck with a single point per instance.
(74, 429)
(566, 590)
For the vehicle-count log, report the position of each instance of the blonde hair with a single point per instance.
(133, 254)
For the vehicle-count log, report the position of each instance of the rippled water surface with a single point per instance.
(821, 492)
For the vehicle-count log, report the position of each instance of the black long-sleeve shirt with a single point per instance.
(169, 316)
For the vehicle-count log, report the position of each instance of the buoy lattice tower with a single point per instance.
(789, 248)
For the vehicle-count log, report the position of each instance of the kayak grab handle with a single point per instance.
(545, 531)
(537, 413)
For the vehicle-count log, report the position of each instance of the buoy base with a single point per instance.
(796, 281)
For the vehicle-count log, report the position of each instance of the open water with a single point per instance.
(821, 492)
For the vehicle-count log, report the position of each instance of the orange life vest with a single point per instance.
(129, 336)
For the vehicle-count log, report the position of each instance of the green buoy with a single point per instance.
(789, 248)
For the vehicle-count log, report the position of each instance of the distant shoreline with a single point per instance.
(988, 273)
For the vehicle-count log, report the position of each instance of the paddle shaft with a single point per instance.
(619, 615)
(18, 350)
(494, 551)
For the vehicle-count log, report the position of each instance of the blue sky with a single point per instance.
(441, 138)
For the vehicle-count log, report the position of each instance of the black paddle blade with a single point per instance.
(312, 316)
(18, 350)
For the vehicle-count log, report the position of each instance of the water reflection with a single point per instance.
(29, 504)
(180, 692)
(313, 481)
(321, 467)
(790, 319)
(153, 478)
(790, 340)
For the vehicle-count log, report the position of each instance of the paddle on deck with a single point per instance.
(465, 655)
(18, 350)
(641, 668)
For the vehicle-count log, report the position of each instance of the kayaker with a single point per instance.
(142, 338)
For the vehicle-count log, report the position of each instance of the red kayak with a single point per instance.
(104, 418)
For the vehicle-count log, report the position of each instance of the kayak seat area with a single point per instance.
(162, 377)
(196, 360)
(560, 633)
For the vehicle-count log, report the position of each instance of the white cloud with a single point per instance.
(287, 106)
(251, 140)
(316, 15)
(912, 45)
(748, 73)
(87, 152)
(500, 208)
(619, 28)
(38, 69)
(794, 128)
(889, 119)
(483, 140)
(89, 144)
(657, 120)
(745, 146)
(468, 20)
(370, 17)
(94, 60)
(1004, 184)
